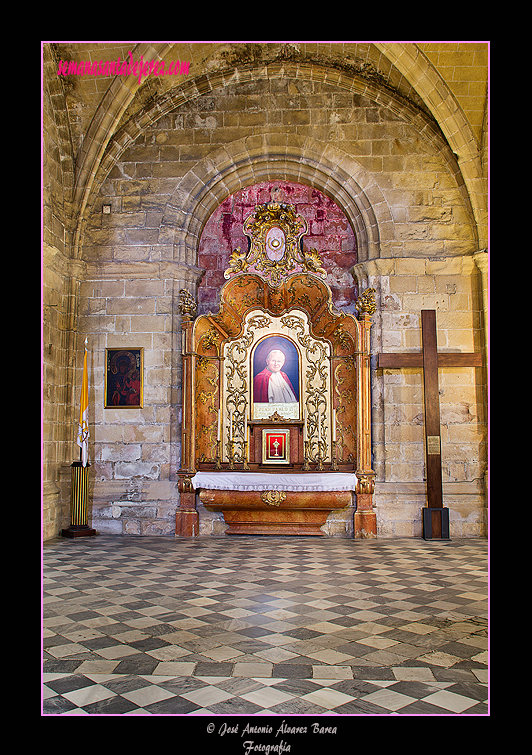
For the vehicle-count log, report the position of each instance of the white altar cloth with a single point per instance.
(262, 481)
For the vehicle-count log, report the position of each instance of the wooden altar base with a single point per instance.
(252, 512)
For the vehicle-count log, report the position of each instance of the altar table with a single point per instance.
(275, 504)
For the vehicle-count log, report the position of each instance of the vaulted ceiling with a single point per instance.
(442, 85)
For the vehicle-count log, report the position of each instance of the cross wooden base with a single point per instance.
(435, 523)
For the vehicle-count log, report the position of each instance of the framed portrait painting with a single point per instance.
(275, 378)
(124, 377)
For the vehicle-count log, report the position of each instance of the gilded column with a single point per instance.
(365, 525)
(187, 518)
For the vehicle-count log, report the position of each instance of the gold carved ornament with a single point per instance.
(366, 484)
(345, 435)
(275, 231)
(365, 303)
(236, 382)
(316, 390)
(207, 373)
(209, 340)
(187, 305)
(273, 497)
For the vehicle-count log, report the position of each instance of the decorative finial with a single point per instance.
(187, 304)
(366, 302)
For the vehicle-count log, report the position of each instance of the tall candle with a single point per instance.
(334, 425)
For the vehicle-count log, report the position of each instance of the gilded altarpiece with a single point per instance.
(276, 393)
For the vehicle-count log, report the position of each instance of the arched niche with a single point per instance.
(321, 434)
(330, 232)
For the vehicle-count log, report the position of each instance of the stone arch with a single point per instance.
(57, 147)
(272, 157)
(110, 147)
(414, 65)
(101, 131)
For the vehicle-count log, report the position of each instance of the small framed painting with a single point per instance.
(123, 378)
(276, 446)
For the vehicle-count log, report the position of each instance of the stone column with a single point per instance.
(375, 274)
(482, 262)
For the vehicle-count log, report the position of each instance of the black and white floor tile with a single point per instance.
(238, 626)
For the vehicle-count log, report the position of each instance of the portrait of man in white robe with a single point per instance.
(273, 384)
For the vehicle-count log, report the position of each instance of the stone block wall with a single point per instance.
(134, 449)
(59, 292)
(406, 286)
(175, 193)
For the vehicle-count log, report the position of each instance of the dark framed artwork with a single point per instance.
(124, 377)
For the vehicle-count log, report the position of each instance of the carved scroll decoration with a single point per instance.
(209, 340)
(344, 387)
(237, 388)
(207, 374)
(275, 231)
(316, 391)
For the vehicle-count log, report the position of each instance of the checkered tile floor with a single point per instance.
(264, 626)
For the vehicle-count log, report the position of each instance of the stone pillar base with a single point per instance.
(365, 525)
(186, 523)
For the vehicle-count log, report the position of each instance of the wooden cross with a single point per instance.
(435, 516)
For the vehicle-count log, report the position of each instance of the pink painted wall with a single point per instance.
(329, 232)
